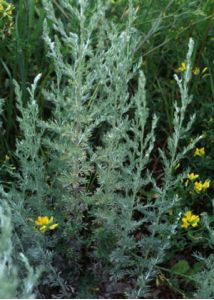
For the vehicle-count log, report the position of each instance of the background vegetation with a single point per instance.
(106, 149)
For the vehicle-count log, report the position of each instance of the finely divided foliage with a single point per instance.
(11, 284)
(89, 165)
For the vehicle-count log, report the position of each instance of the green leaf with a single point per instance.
(181, 267)
(197, 267)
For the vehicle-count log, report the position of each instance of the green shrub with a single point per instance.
(86, 201)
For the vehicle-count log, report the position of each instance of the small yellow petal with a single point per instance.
(204, 70)
(50, 220)
(188, 214)
(52, 227)
(206, 184)
(184, 225)
(43, 228)
(38, 221)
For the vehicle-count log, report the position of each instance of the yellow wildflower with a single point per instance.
(199, 151)
(182, 67)
(206, 184)
(190, 219)
(192, 176)
(198, 186)
(45, 223)
(201, 187)
(196, 71)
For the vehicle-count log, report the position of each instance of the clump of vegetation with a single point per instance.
(106, 175)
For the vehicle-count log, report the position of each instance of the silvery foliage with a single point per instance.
(11, 285)
(90, 93)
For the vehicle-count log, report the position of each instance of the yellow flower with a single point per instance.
(196, 71)
(206, 184)
(45, 223)
(201, 187)
(198, 186)
(190, 219)
(192, 176)
(182, 67)
(199, 151)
